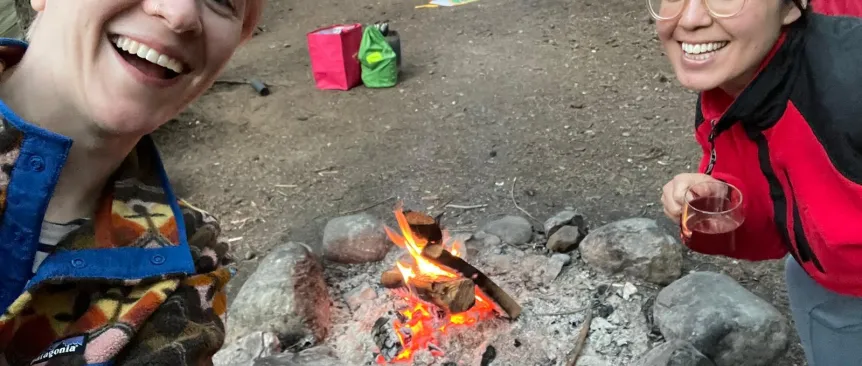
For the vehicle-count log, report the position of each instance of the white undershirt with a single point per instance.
(51, 235)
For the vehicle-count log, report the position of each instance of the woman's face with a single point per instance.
(708, 52)
(131, 65)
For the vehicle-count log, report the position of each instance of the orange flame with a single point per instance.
(422, 323)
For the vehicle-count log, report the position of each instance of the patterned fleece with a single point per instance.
(166, 319)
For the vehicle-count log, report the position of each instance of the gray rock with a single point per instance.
(628, 290)
(565, 239)
(287, 296)
(722, 319)
(355, 239)
(535, 270)
(674, 353)
(247, 349)
(492, 241)
(635, 247)
(552, 271)
(317, 356)
(359, 296)
(561, 219)
(562, 258)
(513, 230)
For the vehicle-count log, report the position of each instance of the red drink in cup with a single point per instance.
(712, 214)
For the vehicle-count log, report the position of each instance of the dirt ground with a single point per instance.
(572, 99)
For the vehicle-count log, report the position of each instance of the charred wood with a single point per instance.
(439, 256)
(386, 338)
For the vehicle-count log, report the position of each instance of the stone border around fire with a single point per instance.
(290, 310)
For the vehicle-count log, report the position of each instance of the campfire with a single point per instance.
(440, 290)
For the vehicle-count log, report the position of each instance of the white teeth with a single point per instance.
(143, 51)
(696, 49)
(162, 60)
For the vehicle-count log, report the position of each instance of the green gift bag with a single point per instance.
(378, 60)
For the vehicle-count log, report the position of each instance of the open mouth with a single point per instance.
(147, 60)
(702, 51)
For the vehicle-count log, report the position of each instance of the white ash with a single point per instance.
(554, 297)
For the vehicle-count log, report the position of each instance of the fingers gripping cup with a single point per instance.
(711, 215)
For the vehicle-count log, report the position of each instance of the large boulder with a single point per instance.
(317, 356)
(355, 239)
(635, 247)
(247, 349)
(722, 319)
(287, 296)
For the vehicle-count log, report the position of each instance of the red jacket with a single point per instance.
(838, 7)
(792, 142)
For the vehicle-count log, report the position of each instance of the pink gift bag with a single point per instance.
(333, 51)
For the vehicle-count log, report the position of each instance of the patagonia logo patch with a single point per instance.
(69, 346)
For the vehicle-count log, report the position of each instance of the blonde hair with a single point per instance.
(253, 11)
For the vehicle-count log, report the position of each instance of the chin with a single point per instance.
(697, 81)
(126, 120)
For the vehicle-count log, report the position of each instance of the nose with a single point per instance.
(181, 16)
(695, 15)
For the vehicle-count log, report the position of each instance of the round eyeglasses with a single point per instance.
(669, 9)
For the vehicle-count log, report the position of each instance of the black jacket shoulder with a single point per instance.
(828, 88)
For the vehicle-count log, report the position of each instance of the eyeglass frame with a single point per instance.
(705, 4)
(797, 3)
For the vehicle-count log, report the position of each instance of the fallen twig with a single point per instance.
(462, 229)
(242, 82)
(327, 168)
(581, 341)
(472, 207)
(286, 186)
(240, 222)
(378, 203)
(512, 195)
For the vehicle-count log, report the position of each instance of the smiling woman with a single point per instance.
(777, 120)
(102, 263)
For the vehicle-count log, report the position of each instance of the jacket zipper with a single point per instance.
(712, 154)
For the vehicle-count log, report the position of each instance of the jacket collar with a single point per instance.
(763, 101)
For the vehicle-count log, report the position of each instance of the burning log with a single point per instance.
(439, 256)
(424, 226)
(454, 295)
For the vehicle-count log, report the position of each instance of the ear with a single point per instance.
(38, 5)
(792, 12)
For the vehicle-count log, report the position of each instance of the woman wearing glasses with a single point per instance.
(779, 118)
